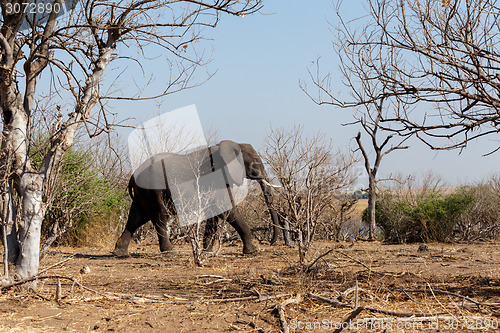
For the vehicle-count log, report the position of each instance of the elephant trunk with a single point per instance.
(277, 224)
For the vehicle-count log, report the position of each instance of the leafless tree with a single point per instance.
(436, 64)
(380, 150)
(312, 174)
(74, 52)
(369, 116)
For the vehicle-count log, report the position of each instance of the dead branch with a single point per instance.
(36, 276)
(356, 260)
(281, 311)
(56, 264)
(365, 322)
(444, 292)
(440, 62)
(369, 308)
(329, 301)
(349, 318)
(317, 259)
(255, 297)
(284, 258)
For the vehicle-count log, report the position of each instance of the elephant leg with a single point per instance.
(236, 221)
(136, 218)
(160, 224)
(210, 231)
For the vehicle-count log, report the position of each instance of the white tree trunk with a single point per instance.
(24, 228)
(30, 227)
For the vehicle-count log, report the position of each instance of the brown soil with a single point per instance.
(152, 292)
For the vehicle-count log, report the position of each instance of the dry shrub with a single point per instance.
(313, 175)
(481, 221)
(256, 213)
(100, 231)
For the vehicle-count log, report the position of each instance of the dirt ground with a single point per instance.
(153, 292)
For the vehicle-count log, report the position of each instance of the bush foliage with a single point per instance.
(468, 213)
(86, 204)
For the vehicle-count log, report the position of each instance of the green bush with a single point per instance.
(432, 217)
(85, 202)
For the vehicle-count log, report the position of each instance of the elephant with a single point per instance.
(153, 200)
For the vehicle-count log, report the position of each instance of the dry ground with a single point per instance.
(152, 292)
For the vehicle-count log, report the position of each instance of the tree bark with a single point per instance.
(372, 196)
(23, 238)
(30, 227)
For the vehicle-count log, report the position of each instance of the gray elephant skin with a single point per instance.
(155, 203)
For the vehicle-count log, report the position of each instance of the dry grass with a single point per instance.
(361, 205)
(167, 293)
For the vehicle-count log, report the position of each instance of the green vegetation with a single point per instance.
(86, 203)
(468, 213)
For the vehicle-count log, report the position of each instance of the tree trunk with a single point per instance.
(23, 238)
(9, 228)
(30, 227)
(371, 208)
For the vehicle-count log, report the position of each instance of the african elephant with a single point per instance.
(153, 201)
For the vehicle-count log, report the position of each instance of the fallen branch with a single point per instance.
(36, 276)
(369, 308)
(330, 301)
(349, 318)
(356, 260)
(318, 258)
(366, 322)
(444, 292)
(54, 265)
(350, 258)
(255, 297)
(285, 258)
(281, 311)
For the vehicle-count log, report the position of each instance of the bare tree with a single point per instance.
(311, 175)
(74, 51)
(369, 116)
(380, 150)
(436, 62)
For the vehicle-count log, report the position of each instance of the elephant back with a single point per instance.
(155, 171)
(162, 169)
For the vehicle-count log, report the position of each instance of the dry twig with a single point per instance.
(349, 318)
(281, 311)
(369, 308)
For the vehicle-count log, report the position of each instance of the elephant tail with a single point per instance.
(131, 184)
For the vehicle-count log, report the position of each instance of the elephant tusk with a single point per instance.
(269, 184)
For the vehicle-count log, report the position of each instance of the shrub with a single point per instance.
(482, 220)
(86, 202)
(432, 217)
(312, 175)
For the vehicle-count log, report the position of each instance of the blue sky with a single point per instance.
(259, 60)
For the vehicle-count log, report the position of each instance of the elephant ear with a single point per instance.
(253, 164)
(230, 158)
